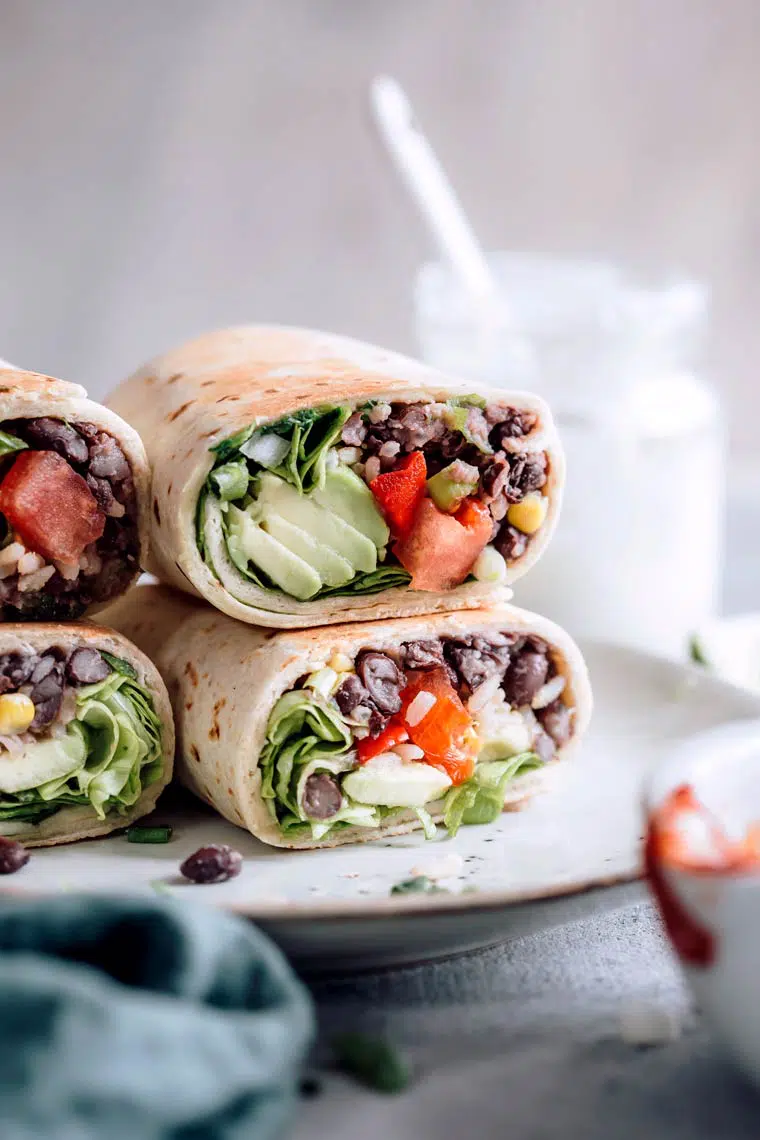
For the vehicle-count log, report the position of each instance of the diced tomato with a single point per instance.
(398, 493)
(684, 834)
(50, 506)
(445, 732)
(440, 550)
(395, 732)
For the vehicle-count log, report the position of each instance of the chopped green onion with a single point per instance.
(372, 1061)
(149, 834)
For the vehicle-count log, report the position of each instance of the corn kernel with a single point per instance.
(341, 663)
(528, 516)
(16, 713)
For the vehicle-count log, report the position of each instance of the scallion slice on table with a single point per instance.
(149, 834)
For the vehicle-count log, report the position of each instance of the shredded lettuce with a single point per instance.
(230, 481)
(109, 753)
(481, 799)
(11, 443)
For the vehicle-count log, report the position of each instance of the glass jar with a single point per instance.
(637, 555)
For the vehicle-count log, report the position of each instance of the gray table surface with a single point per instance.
(523, 1041)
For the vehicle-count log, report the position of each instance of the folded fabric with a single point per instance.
(144, 1019)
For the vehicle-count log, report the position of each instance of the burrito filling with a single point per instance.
(77, 729)
(330, 502)
(440, 727)
(68, 509)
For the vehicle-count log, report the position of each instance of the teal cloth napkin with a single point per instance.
(144, 1020)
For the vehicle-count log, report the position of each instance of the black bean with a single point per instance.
(15, 670)
(13, 856)
(45, 665)
(86, 666)
(476, 659)
(511, 543)
(102, 492)
(107, 460)
(527, 473)
(525, 676)
(350, 694)
(382, 679)
(557, 720)
(322, 796)
(55, 435)
(423, 654)
(213, 864)
(47, 696)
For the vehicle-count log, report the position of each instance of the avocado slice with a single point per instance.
(247, 542)
(40, 762)
(331, 567)
(278, 497)
(391, 782)
(447, 492)
(348, 496)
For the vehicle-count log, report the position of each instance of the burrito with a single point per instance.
(74, 494)
(301, 479)
(333, 735)
(86, 732)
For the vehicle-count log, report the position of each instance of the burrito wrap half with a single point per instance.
(120, 551)
(189, 400)
(224, 679)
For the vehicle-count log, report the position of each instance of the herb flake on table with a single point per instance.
(419, 885)
(372, 1061)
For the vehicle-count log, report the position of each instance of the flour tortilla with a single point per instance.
(29, 395)
(192, 398)
(224, 678)
(71, 823)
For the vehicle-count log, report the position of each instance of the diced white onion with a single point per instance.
(268, 449)
(10, 555)
(548, 692)
(379, 414)
(371, 468)
(409, 752)
(490, 566)
(483, 694)
(419, 708)
(349, 455)
(67, 571)
(30, 562)
(36, 580)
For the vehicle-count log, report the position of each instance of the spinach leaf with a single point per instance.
(119, 665)
(10, 443)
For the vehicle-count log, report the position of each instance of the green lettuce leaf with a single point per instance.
(10, 443)
(109, 753)
(481, 799)
(230, 481)
(302, 729)
(384, 578)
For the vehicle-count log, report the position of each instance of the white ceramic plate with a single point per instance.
(332, 910)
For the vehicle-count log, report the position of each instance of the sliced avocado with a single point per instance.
(350, 498)
(448, 493)
(248, 542)
(390, 782)
(503, 734)
(277, 496)
(332, 569)
(40, 762)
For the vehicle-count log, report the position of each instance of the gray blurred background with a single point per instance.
(173, 165)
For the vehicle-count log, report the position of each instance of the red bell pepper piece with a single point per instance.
(445, 732)
(399, 492)
(395, 732)
(50, 506)
(440, 549)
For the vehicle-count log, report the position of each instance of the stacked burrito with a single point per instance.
(86, 727)
(336, 528)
